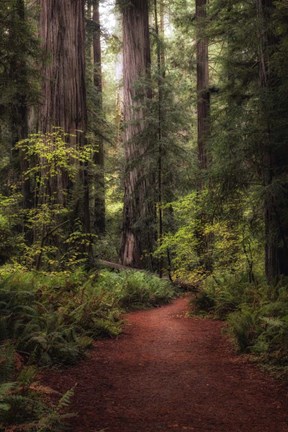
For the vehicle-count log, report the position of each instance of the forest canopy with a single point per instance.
(191, 140)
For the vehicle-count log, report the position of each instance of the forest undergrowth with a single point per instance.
(257, 316)
(51, 319)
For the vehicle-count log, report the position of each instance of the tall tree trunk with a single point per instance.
(99, 212)
(138, 234)
(203, 102)
(203, 113)
(62, 31)
(159, 30)
(275, 208)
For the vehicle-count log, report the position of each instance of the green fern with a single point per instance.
(5, 390)
(245, 327)
(56, 419)
(273, 322)
(7, 362)
(105, 328)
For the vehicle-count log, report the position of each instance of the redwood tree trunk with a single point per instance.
(63, 38)
(203, 112)
(138, 235)
(159, 30)
(99, 209)
(62, 31)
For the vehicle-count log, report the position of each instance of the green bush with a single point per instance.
(11, 240)
(228, 293)
(22, 403)
(203, 302)
(257, 314)
(52, 318)
(244, 325)
(140, 290)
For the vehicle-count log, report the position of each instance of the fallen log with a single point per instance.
(183, 285)
(117, 266)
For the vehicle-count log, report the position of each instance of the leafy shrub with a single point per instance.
(22, 403)
(244, 325)
(140, 289)
(52, 317)
(257, 315)
(94, 312)
(203, 302)
(227, 293)
(11, 240)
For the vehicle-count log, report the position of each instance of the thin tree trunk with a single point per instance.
(203, 103)
(271, 231)
(203, 113)
(99, 212)
(161, 76)
(138, 233)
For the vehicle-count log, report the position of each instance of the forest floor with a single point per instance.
(170, 373)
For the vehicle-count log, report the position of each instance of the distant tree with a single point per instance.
(159, 31)
(99, 206)
(203, 94)
(203, 114)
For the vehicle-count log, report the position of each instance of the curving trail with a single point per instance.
(168, 372)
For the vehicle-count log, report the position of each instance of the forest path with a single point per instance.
(168, 372)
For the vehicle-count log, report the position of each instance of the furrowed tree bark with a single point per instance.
(138, 232)
(63, 104)
(159, 30)
(99, 209)
(62, 34)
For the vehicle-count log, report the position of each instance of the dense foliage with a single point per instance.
(256, 315)
(51, 319)
(194, 144)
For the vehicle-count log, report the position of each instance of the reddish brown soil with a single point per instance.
(168, 372)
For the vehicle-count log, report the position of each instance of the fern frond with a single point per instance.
(274, 322)
(65, 400)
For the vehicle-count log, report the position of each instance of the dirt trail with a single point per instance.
(168, 372)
